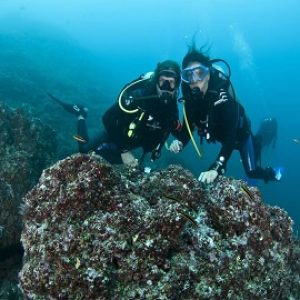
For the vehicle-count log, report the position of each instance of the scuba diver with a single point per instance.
(211, 107)
(265, 136)
(267, 133)
(144, 116)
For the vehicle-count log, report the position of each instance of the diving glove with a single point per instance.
(176, 146)
(129, 160)
(208, 176)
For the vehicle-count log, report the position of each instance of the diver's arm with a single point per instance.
(182, 134)
(176, 125)
(182, 138)
(218, 167)
(227, 114)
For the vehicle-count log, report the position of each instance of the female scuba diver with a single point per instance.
(211, 108)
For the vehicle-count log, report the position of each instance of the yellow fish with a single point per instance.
(247, 192)
(79, 138)
(188, 217)
(170, 197)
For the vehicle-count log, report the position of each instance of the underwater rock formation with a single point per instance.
(26, 148)
(94, 231)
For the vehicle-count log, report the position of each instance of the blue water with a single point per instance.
(119, 40)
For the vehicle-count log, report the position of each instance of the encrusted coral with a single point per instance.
(93, 231)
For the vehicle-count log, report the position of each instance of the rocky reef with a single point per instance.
(94, 231)
(26, 148)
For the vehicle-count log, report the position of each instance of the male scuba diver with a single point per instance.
(211, 108)
(144, 116)
(265, 136)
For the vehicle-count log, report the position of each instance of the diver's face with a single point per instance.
(166, 84)
(200, 77)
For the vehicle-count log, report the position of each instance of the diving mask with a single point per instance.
(194, 74)
(166, 90)
(167, 81)
(166, 85)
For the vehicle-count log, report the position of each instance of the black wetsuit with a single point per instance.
(152, 123)
(218, 117)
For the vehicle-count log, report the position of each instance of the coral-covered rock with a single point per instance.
(94, 231)
(26, 148)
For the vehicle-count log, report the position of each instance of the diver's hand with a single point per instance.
(223, 97)
(176, 146)
(208, 176)
(129, 160)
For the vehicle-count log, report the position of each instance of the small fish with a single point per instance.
(247, 192)
(172, 198)
(169, 197)
(188, 217)
(79, 138)
(297, 141)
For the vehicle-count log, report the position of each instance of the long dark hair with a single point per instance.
(198, 55)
